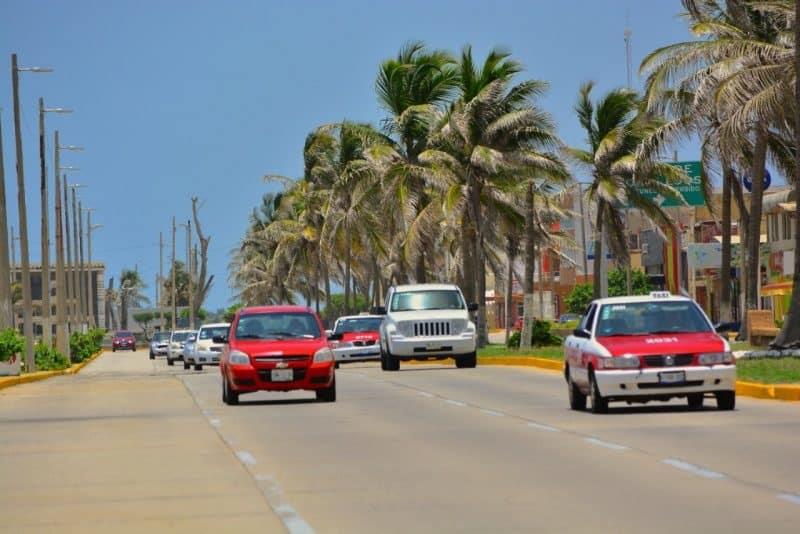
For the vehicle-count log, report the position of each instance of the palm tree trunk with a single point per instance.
(789, 335)
(467, 258)
(530, 258)
(725, 274)
(347, 260)
(598, 251)
(480, 263)
(124, 312)
(511, 253)
(541, 282)
(753, 271)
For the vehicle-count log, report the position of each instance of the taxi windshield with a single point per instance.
(368, 324)
(642, 318)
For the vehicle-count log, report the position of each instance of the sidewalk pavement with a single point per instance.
(121, 447)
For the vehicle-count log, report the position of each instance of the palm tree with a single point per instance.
(615, 127)
(131, 293)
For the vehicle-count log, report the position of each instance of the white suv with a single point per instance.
(424, 322)
(206, 352)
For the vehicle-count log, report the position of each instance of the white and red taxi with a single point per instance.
(356, 338)
(276, 348)
(643, 348)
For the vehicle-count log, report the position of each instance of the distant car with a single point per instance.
(567, 317)
(276, 348)
(123, 340)
(206, 352)
(159, 345)
(188, 349)
(176, 343)
(644, 348)
(356, 338)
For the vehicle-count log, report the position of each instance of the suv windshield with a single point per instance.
(445, 299)
(277, 326)
(640, 318)
(370, 324)
(211, 333)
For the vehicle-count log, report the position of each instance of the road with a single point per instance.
(436, 449)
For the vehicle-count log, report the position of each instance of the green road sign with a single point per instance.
(692, 192)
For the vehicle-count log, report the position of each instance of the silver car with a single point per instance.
(188, 349)
(176, 342)
(159, 345)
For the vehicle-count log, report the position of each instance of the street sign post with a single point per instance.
(692, 191)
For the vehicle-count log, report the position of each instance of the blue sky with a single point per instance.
(184, 98)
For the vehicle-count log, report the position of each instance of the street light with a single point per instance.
(77, 267)
(6, 307)
(27, 304)
(90, 290)
(46, 326)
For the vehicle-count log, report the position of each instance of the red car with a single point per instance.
(276, 348)
(123, 340)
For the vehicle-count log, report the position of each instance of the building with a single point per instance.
(776, 290)
(95, 274)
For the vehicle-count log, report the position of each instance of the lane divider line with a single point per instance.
(426, 394)
(215, 422)
(455, 402)
(292, 520)
(546, 428)
(246, 458)
(606, 444)
(794, 499)
(695, 470)
(492, 413)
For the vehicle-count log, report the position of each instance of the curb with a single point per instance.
(7, 382)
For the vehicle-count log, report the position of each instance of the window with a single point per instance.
(277, 325)
(212, 332)
(365, 324)
(641, 318)
(447, 299)
(633, 241)
(588, 319)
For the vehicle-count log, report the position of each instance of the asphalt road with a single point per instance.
(493, 449)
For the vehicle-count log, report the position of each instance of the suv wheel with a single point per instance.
(229, 396)
(392, 362)
(726, 400)
(577, 400)
(467, 361)
(599, 403)
(327, 394)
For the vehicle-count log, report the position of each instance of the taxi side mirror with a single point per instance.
(581, 332)
(220, 339)
(335, 337)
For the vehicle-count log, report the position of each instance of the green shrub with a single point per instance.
(48, 358)
(540, 336)
(11, 343)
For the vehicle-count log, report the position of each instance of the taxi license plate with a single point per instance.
(672, 377)
(282, 375)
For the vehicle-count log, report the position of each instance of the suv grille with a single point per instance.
(431, 328)
(661, 360)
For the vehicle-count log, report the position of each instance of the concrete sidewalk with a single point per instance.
(120, 447)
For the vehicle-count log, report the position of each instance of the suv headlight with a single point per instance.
(715, 358)
(238, 357)
(620, 362)
(323, 355)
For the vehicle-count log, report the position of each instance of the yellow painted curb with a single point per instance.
(527, 361)
(768, 391)
(7, 382)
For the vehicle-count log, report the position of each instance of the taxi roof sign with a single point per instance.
(660, 294)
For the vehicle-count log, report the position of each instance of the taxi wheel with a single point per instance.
(599, 403)
(229, 396)
(577, 400)
(695, 400)
(327, 394)
(467, 362)
(726, 400)
(383, 360)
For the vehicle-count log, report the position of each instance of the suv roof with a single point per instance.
(420, 287)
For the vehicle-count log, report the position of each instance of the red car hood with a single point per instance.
(279, 347)
(360, 336)
(663, 344)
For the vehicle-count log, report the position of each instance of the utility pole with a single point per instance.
(160, 279)
(6, 308)
(174, 306)
(82, 283)
(70, 266)
(47, 336)
(77, 266)
(188, 227)
(90, 289)
(62, 343)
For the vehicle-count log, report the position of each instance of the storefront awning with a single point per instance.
(777, 289)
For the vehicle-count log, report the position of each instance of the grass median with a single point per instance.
(766, 370)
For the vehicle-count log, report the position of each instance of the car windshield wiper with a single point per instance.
(624, 334)
(250, 336)
(673, 332)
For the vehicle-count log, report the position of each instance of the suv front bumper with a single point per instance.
(645, 383)
(422, 347)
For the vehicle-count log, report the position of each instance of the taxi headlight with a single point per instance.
(715, 358)
(238, 357)
(323, 355)
(340, 344)
(620, 362)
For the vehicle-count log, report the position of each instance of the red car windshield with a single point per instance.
(277, 326)
(123, 333)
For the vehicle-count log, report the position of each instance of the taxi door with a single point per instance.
(575, 346)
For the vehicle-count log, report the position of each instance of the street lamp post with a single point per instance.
(188, 227)
(27, 301)
(77, 284)
(90, 290)
(6, 308)
(82, 281)
(47, 335)
(174, 306)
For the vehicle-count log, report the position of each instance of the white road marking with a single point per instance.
(215, 422)
(288, 515)
(546, 428)
(426, 394)
(694, 469)
(606, 444)
(455, 402)
(493, 413)
(246, 458)
(794, 499)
